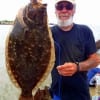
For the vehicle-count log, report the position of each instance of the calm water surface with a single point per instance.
(4, 30)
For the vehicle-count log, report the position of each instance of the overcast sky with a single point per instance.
(87, 11)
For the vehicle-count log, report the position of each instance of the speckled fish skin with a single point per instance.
(30, 49)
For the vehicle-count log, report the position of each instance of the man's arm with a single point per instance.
(91, 62)
(70, 68)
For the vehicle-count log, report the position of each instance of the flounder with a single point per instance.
(30, 49)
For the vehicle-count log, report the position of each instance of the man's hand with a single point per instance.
(67, 69)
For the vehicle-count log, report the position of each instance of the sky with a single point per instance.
(87, 11)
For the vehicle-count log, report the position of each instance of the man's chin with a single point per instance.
(64, 22)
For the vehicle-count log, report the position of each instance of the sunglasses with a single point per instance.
(62, 5)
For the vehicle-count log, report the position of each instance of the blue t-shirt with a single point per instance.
(72, 46)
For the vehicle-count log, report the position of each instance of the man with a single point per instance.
(75, 54)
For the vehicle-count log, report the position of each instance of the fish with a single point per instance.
(29, 50)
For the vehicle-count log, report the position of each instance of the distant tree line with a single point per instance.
(6, 22)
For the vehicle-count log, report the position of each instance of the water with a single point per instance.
(4, 30)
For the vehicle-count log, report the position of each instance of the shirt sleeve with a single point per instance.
(90, 46)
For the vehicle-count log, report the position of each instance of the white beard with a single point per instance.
(62, 23)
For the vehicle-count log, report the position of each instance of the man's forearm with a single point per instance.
(91, 62)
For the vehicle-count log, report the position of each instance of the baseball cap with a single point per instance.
(72, 1)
